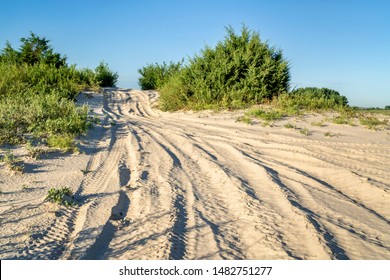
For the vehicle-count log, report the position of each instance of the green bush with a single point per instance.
(105, 76)
(312, 98)
(154, 76)
(239, 70)
(63, 196)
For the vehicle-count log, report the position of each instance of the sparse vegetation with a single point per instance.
(62, 196)
(245, 119)
(304, 131)
(343, 119)
(372, 122)
(12, 162)
(270, 115)
(330, 134)
(290, 126)
(319, 124)
(34, 152)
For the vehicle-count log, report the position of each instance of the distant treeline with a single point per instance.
(239, 71)
(37, 92)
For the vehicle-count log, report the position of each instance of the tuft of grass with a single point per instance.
(245, 119)
(319, 124)
(33, 151)
(343, 119)
(373, 122)
(304, 131)
(329, 134)
(271, 115)
(62, 196)
(13, 163)
(289, 125)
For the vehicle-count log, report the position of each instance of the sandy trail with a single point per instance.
(192, 186)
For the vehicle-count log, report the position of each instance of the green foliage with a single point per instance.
(36, 93)
(33, 50)
(64, 142)
(387, 107)
(154, 76)
(62, 196)
(105, 76)
(239, 70)
(312, 98)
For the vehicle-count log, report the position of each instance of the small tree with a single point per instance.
(105, 76)
(33, 50)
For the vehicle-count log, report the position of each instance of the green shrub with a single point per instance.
(105, 76)
(154, 76)
(60, 196)
(239, 70)
(312, 98)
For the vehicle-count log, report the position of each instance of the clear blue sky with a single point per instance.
(343, 45)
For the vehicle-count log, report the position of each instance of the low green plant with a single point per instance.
(62, 196)
(343, 119)
(320, 124)
(12, 162)
(270, 115)
(63, 142)
(329, 134)
(245, 119)
(304, 131)
(34, 152)
(289, 125)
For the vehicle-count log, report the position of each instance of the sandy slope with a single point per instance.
(202, 186)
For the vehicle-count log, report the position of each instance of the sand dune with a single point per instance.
(185, 185)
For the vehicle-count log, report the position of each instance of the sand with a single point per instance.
(158, 185)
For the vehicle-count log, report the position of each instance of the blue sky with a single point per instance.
(343, 45)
